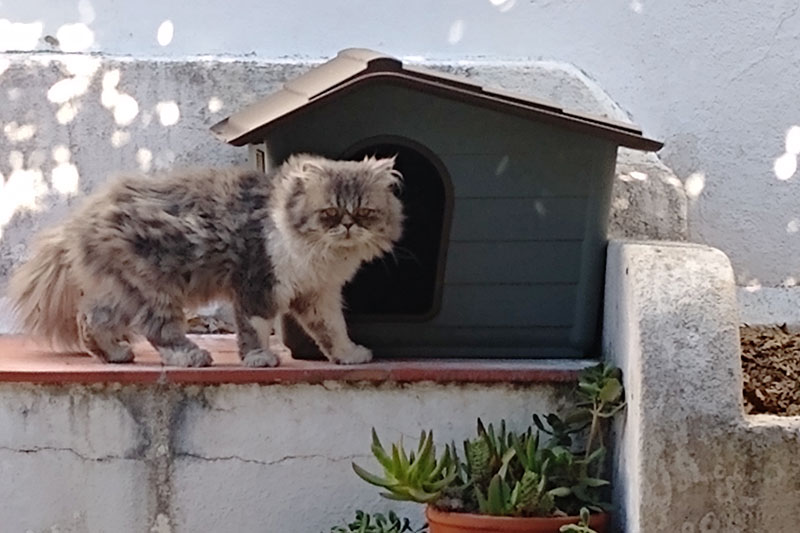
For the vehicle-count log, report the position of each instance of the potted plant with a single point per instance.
(538, 480)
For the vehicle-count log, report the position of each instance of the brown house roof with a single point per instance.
(355, 67)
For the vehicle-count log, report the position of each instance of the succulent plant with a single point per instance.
(378, 523)
(581, 527)
(418, 477)
(513, 473)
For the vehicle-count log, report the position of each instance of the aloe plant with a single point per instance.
(418, 477)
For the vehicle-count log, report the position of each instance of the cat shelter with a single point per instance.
(506, 199)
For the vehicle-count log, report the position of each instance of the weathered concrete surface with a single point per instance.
(760, 306)
(220, 458)
(70, 121)
(687, 457)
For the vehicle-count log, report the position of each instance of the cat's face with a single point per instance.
(343, 204)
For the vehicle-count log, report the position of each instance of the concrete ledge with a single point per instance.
(687, 458)
(23, 361)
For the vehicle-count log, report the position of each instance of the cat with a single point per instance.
(138, 252)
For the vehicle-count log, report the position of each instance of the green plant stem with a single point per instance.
(592, 431)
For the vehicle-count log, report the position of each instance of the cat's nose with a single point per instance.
(347, 225)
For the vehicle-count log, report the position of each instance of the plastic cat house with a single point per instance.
(506, 200)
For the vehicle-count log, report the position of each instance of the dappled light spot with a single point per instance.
(144, 158)
(81, 65)
(124, 106)
(636, 6)
(77, 37)
(67, 89)
(753, 285)
(110, 94)
(19, 36)
(165, 33)
(790, 281)
(785, 166)
(86, 11)
(793, 226)
(67, 112)
(214, 104)
(21, 189)
(120, 138)
(14, 93)
(111, 79)
(126, 109)
(19, 132)
(633, 176)
(695, 184)
(456, 32)
(503, 5)
(4, 64)
(502, 165)
(61, 154)
(168, 113)
(65, 179)
(541, 210)
(793, 140)
(638, 176)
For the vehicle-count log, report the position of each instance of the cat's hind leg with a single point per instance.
(165, 328)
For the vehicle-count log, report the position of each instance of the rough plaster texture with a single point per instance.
(770, 305)
(220, 458)
(715, 80)
(71, 121)
(687, 458)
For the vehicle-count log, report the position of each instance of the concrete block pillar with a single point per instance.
(671, 324)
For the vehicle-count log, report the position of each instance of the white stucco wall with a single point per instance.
(716, 80)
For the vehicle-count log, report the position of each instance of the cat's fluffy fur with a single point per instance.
(144, 248)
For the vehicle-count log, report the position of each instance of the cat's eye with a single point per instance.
(365, 212)
(330, 212)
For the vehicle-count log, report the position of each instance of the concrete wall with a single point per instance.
(715, 80)
(687, 458)
(85, 459)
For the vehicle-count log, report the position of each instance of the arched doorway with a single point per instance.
(407, 285)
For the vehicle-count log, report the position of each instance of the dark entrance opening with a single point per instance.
(407, 284)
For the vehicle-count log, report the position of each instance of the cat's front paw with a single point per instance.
(260, 358)
(357, 355)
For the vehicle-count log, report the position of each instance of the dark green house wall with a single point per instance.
(525, 258)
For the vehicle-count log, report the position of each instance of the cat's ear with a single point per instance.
(303, 167)
(390, 175)
(380, 165)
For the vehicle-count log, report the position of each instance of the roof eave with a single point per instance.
(621, 136)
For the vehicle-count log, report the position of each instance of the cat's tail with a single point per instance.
(44, 294)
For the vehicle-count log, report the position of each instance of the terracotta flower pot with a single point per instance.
(442, 522)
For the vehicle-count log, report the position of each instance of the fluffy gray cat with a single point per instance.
(138, 252)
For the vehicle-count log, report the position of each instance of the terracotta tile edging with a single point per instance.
(22, 361)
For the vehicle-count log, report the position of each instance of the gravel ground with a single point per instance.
(771, 364)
